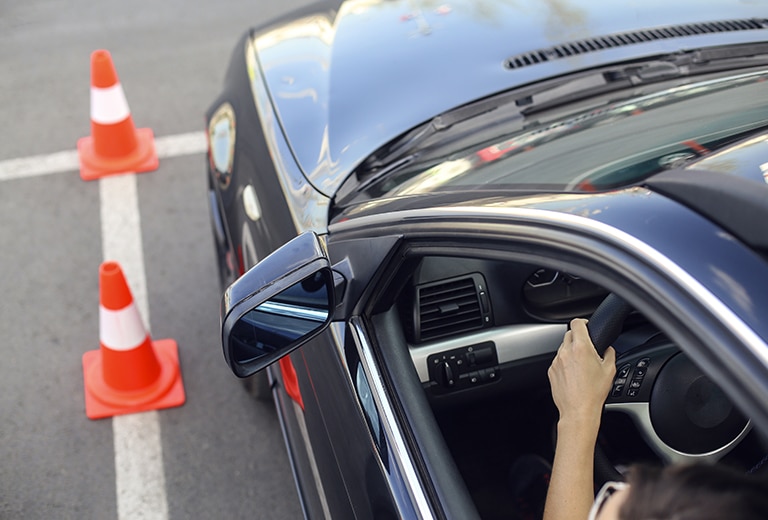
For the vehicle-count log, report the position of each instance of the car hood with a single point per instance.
(345, 83)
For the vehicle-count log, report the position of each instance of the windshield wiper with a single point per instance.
(523, 102)
(450, 125)
(607, 79)
(441, 123)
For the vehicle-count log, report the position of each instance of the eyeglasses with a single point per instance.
(608, 489)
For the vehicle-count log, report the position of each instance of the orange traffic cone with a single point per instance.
(115, 145)
(130, 372)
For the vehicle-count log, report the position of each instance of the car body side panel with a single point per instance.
(308, 208)
(312, 503)
(349, 452)
(343, 84)
(252, 165)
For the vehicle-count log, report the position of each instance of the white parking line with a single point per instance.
(139, 472)
(67, 161)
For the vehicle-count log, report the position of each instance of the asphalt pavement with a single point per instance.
(222, 453)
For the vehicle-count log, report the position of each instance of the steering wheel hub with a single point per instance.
(689, 412)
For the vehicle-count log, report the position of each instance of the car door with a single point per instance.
(368, 390)
(356, 467)
(670, 263)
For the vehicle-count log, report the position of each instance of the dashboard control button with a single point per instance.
(464, 367)
(448, 375)
(487, 374)
(484, 355)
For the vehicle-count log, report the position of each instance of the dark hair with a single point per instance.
(694, 492)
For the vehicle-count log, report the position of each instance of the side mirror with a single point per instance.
(277, 306)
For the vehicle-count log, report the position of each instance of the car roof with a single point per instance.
(344, 84)
(737, 204)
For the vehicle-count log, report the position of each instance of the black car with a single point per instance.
(410, 201)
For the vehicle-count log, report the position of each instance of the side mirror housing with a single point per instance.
(278, 305)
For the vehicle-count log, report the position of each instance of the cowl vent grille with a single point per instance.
(450, 307)
(611, 41)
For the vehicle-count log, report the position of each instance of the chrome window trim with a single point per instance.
(396, 486)
(392, 431)
(569, 222)
(513, 343)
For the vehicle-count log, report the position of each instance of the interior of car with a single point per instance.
(470, 334)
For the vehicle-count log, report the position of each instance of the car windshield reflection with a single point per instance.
(604, 147)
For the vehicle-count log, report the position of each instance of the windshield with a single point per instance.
(598, 147)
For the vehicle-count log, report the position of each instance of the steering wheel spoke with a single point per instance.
(641, 416)
(636, 373)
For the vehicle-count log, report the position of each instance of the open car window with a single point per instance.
(468, 333)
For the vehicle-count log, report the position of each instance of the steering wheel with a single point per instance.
(681, 414)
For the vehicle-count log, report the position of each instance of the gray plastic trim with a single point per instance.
(513, 343)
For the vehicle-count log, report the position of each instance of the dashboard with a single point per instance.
(478, 323)
(482, 333)
(556, 295)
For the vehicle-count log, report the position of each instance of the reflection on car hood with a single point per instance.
(345, 84)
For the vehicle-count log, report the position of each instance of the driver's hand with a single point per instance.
(580, 379)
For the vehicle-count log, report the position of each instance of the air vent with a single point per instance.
(451, 306)
(611, 41)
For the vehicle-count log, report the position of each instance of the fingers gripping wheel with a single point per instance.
(604, 327)
(606, 323)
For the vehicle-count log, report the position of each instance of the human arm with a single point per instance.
(580, 382)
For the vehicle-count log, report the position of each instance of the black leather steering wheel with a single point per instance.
(681, 413)
(607, 321)
(604, 328)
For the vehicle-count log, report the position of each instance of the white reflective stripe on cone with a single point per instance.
(123, 329)
(108, 105)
